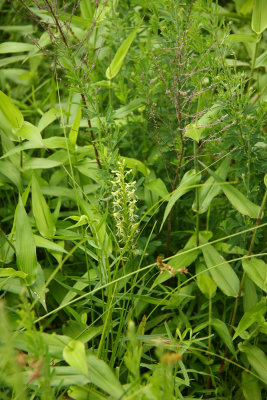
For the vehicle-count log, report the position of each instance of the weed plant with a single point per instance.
(133, 188)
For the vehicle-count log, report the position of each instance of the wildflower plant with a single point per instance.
(124, 205)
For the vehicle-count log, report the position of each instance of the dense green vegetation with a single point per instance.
(133, 186)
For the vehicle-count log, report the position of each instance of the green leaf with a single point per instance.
(255, 314)
(15, 47)
(205, 283)
(250, 297)
(200, 129)
(40, 163)
(118, 59)
(11, 272)
(48, 244)
(259, 16)
(11, 172)
(82, 220)
(261, 61)
(188, 182)
(222, 273)
(41, 212)
(10, 111)
(157, 186)
(74, 355)
(243, 38)
(124, 111)
(37, 288)
(236, 198)
(47, 118)
(29, 132)
(25, 245)
(73, 135)
(250, 387)
(257, 271)
(211, 188)
(256, 358)
(102, 376)
(224, 333)
(244, 6)
(135, 164)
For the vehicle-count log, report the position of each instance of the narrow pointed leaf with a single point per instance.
(256, 358)
(250, 387)
(74, 354)
(236, 198)
(257, 271)
(222, 330)
(47, 118)
(41, 212)
(30, 132)
(188, 182)
(254, 314)
(25, 245)
(75, 127)
(200, 129)
(118, 59)
(221, 271)
(10, 111)
(102, 376)
(211, 188)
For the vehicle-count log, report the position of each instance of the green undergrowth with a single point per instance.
(133, 191)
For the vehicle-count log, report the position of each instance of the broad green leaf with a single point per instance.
(243, 38)
(10, 60)
(256, 358)
(82, 220)
(37, 288)
(10, 111)
(82, 393)
(244, 6)
(10, 171)
(102, 376)
(48, 244)
(222, 330)
(211, 188)
(29, 132)
(15, 47)
(236, 198)
(40, 163)
(135, 164)
(79, 285)
(47, 118)
(118, 59)
(250, 387)
(200, 129)
(9, 272)
(75, 127)
(261, 61)
(188, 182)
(157, 186)
(257, 271)
(255, 314)
(250, 297)
(205, 283)
(25, 245)
(124, 111)
(74, 355)
(259, 16)
(41, 212)
(221, 271)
